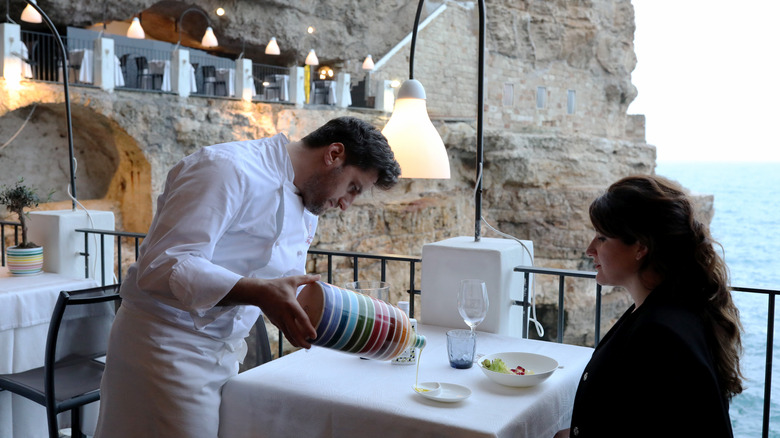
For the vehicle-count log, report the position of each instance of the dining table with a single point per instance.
(327, 393)
(26, 305)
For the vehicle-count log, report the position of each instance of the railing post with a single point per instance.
(526, 287)
(105, 63)
(343, 97)
(297, 93)
(181, 72)
(244, 79)
(10, 52)
(770, 330)
(561, 283)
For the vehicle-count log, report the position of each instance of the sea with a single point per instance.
(747, 224)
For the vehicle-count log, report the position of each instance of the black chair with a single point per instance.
(144, 77)
(209, 79)
(123, 65)
(262, 344)
(73, 365)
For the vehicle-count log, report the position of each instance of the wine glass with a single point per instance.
(472, 302)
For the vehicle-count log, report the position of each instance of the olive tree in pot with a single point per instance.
(25, 258)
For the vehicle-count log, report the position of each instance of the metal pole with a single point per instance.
(480, 116)
(64, 53)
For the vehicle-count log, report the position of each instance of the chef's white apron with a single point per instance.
(163, 378)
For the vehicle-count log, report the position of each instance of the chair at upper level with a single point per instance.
(74, 358)
(145, 79)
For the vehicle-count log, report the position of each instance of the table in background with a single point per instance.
(26, 305)
(162, 68)
(325, 393)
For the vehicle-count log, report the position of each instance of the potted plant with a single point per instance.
(27, 257)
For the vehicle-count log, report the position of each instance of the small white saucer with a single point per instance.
(450, 393)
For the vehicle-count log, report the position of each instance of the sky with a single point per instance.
(708, 78)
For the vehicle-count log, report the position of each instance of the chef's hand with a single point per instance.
(276, 298)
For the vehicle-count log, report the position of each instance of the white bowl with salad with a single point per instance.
(517, 369)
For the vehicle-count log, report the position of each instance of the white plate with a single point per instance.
(450, 393)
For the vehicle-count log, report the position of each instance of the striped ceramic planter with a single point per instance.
(355, 323)
(24, 261)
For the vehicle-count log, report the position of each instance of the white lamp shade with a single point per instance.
(135, 30)
(272, 48)
(209, 39)
(416, 144)
(30, 15)
(311, 58)
(368, 63)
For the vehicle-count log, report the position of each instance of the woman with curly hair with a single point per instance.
(670, 365)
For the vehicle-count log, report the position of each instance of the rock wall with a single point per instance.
(543, 163)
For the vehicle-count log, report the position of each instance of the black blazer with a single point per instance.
(652, 375)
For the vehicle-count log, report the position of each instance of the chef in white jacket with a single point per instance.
(229, 239)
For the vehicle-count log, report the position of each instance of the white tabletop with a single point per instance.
(325, 393)
(162, 67)
(29, 300)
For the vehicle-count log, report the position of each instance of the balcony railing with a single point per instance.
(562, 274)
(123, 240)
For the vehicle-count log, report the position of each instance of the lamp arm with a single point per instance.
(186, 11)
(414, 38)
(64, 54)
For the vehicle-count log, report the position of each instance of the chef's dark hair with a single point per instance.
(365, 146)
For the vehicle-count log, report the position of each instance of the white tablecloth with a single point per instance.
(324, 393)
(81, 59)
(162, 67)
(228, 76)
(26, 304)
(26, 67)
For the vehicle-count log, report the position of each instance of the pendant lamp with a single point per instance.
(311, 58)
(368, 63)
(30, 15)
(272, 48)
(135, 30)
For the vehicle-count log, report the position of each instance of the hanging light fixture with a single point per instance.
(403, 129)
(311, 58)
(209, 39)
(135, 30)
(272, 48)
(30, 15)
(368, 63)
(417, 146)
(40, 16)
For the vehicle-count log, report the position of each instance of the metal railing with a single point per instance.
(272, 83)
(6, 228)
(144, 69)
(212, 74)
(413, 263)
(562, 274)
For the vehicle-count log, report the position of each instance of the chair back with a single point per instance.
(209, 72)
(142, 64)
(76, 346)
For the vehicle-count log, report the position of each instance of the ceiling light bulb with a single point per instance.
(272, 48)
(220, 12)
(209, 39)
(31, 15)
(135, 30)
(415, 142)
(311, 58)
(368, 63)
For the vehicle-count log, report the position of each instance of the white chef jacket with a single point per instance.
(227, 211)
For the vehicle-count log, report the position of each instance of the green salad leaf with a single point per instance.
(496, 365)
